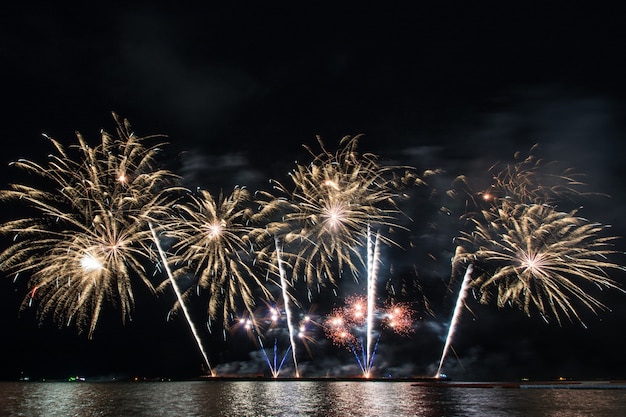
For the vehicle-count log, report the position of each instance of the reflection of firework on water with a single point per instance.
(211, 241)
(348, 326)
(534, 256)
(88, 235)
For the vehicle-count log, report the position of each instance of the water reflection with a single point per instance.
(299, 398)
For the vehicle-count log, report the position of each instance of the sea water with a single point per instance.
(302, 398)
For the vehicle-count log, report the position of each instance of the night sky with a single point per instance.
(238, 89)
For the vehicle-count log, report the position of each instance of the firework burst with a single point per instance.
(399, 317)
(334, 201)
(88, 236)
(341, 325)
(532, 255)
(350, 325)
(532, 180)
(212, 242)
(535, 257)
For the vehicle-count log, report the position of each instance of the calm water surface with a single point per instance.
(299, 398)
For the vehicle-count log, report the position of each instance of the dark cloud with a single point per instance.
(194, 88)
(221, 172)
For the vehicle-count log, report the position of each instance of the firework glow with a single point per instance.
(180, 299)
(458, 309)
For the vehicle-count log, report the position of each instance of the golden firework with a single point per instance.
(334, 202)
(212, 242)
(87, 238)
(536, 257)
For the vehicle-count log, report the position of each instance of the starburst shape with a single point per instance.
(211, 242)
(538, 258)
(82, 236)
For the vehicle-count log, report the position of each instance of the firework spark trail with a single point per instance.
(458, 308)
(532, 180)
(362, 362)
(273, 365)
(252, 327)
(180, 299)
(373, 254)
(286, 301)
(268, 238)
(373, 354)
(279, 366)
